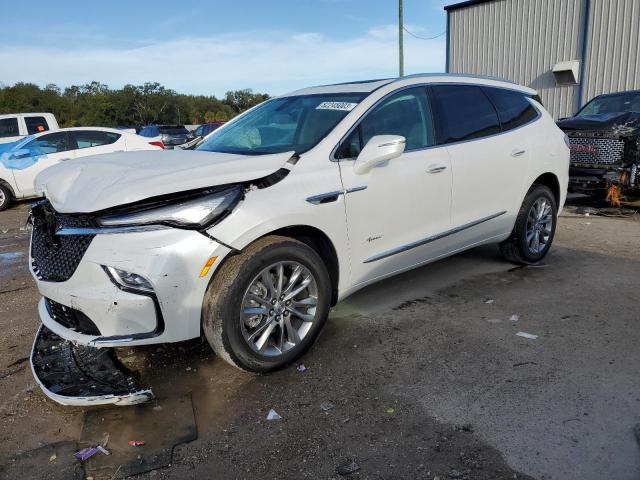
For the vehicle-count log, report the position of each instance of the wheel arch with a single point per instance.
(6, 184)
(551, 181)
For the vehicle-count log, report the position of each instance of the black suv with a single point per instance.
(169, 135)
(604, 140)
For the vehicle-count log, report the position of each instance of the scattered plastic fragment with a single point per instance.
(273, 415)
(326, 406)
(347, 468)
(527, 335)
(390, 410)
(136, 443)
(489, 301)
(103, 450)
(301, 368)
(514, 317)
(53, 458)
(86, 453)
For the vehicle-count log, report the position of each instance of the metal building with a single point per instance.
(568, 50)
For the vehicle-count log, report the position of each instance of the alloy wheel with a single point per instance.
(279, 308)
(539, 225)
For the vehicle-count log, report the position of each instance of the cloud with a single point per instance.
(269, 61)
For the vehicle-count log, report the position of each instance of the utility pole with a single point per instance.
(400, 38)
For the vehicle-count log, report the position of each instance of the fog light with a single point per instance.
(129, 280)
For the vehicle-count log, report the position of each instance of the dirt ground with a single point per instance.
(420, 376)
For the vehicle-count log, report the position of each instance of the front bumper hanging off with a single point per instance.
(78, 375)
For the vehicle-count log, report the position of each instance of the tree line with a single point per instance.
(95, 104)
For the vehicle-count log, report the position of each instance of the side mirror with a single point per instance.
(377, 151)
(22, 153)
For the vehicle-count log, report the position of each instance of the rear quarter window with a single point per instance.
(514, 109)
(462, 112)
(9, 127)
(36, 125)
(94, 138)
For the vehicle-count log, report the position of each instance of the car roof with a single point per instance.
(368, 86)
(613, 94)
(80, 129)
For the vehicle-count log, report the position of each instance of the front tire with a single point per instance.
(534, 229)
(5, 197)
(266, 305)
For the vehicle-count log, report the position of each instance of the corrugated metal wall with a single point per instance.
(613, 47)
(520, 40)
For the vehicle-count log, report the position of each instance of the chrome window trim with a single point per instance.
(433, 238)
(333, 158)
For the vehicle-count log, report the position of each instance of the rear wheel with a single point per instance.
(534, 229)
(265, 306)
(5, 197)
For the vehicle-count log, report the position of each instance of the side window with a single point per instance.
(94, 138)
(51, 143)
(514, 110)
(9, 127)
(462, 112)
(36, 125)
(405, 113)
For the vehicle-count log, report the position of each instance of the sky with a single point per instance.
(199, 47)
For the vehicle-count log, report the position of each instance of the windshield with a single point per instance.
(283, 125)
(622, 102)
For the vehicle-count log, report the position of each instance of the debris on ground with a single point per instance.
(326, 406)
(347, 468)
(87, 453)
(53, 457)
(514, 317)
(136, 443)
(489, 301)
(530, 336)
(390, 410)
(301, 368)
(273, 415)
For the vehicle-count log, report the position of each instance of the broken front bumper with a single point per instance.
(77, 375)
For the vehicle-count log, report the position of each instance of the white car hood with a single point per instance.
(90, 184)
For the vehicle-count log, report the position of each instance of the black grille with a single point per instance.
(592, 150)
(55, 257)
(71, 318)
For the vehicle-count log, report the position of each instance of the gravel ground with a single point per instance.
(420, 376)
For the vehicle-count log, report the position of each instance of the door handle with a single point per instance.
(518, 153)
(436, 169)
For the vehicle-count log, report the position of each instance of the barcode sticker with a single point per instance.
(343, 106)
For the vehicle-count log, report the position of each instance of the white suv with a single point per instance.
(284, 211)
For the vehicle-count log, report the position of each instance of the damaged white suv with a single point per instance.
(278, 215)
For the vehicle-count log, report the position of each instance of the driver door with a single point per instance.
(394, 210)
(45, 151)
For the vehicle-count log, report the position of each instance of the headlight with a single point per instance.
(193, 213)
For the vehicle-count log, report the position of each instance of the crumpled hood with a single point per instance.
(94, 183)
(604, 121)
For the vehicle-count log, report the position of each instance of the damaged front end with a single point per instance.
(605, 162)
(77, 375)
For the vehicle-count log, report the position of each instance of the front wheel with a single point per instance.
(266, 305)
(534, 229)
(5, 197)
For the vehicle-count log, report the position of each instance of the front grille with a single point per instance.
(55, 258)
(596, 151)
(71, 318)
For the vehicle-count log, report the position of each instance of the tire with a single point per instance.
(238, 287)
(518, 248)
(5, 197)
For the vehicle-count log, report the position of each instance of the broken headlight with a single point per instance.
(193, 212)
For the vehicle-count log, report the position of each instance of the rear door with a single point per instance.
(95, 142)
(43, 151)
(488, 167)
(396, 207)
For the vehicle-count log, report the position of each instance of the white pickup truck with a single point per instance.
(14, 126)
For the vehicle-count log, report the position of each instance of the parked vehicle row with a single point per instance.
(21, 161)
(276, 216)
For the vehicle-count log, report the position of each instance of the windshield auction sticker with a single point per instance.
(343, 106)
